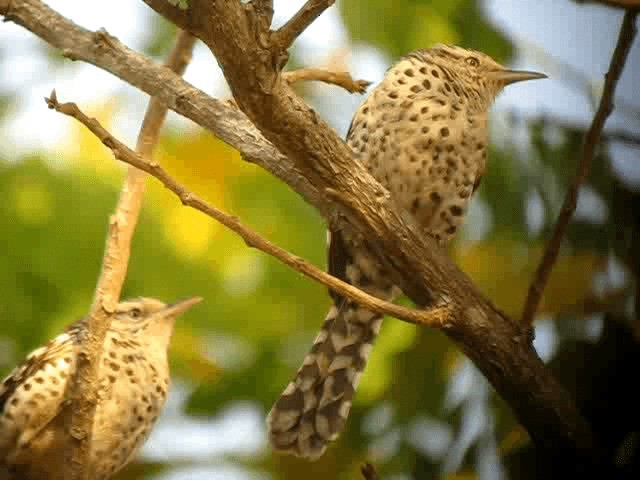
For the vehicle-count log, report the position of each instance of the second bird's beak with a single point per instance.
(178, 308)
(507, 77)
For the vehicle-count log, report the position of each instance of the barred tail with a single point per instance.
(313, 409)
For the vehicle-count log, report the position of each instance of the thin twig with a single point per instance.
(607, 135)
(591, 139)
(286, 35)
(83, 391)
(341, 79)
(435, 317)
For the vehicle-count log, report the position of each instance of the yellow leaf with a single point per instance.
(503, 269)
(189, 230)
(204, 163)
(92, 157)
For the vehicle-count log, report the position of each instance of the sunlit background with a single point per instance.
(422, 410)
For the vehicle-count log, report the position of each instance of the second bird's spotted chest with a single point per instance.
(416, 136)
(132, 376)
(131, 394)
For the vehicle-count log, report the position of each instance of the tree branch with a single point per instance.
(263, 10)
(591, 139)
(83, 390)
(284, 37)
(434, 317)
(313, 161)
(341, 79)
(499, 346)
(99, 48)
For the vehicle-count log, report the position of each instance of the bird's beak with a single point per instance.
(178, 308)
(507, 77)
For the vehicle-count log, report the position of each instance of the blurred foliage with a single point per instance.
(559, 157)
(503, 268)
(402, 26)
(160, 39)
(413, 414)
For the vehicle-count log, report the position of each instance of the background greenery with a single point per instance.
(422, 410)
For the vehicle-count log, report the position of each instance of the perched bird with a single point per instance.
(422, 133)
(133, 381)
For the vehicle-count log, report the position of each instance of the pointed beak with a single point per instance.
(175, 310)
(507, 77)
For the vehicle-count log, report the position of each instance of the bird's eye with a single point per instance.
(135, 313)
(473, 61)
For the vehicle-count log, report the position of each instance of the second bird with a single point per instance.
(132, 383)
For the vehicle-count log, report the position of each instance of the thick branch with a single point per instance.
(83, 390)
(591, 139)
(341, 79)
(316, 162)
(499, 346)
(434, 317)
(263, 10)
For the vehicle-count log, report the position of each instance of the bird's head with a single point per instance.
(475, 73)
(149, 319)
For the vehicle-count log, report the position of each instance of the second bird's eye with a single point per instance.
(473, 61)
(135, 313)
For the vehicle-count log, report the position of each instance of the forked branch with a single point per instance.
(284, 37)
(498, 345)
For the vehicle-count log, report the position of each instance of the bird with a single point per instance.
(422, 133)
(132, 386)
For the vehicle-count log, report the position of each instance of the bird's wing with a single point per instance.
(42, 380)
